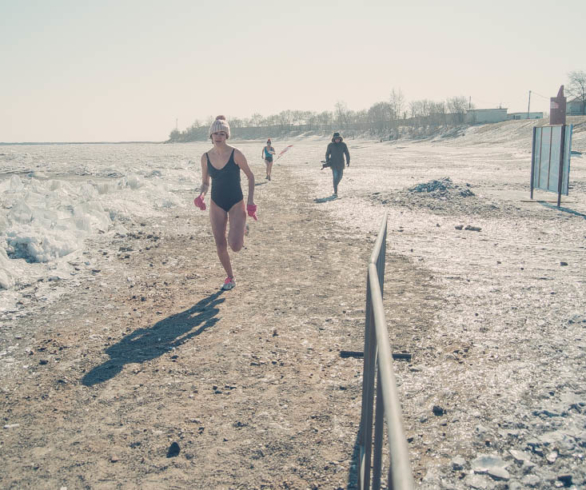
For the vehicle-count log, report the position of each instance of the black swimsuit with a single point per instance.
(226, 190)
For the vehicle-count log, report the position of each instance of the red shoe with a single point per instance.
(229, 283)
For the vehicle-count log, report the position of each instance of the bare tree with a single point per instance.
(236, 122)
(419, 109)
(352, 118)
(397, 102)
(285, 119)
(341, 114)
(379, 116)
(577, 88)
(256, 120)
(312, 120)
(437, 113)
(298, 117)
(362, 118)
(272, 120)
(457, 107)
(325, 119)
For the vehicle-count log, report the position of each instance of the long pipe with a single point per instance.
(400, 474)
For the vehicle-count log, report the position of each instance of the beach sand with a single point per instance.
(145, 375)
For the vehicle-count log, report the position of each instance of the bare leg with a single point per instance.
(269, 169)
(237, 218)
(219, 220)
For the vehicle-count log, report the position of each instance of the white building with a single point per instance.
(575, 107)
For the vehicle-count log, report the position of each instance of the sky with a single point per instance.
(133, 70)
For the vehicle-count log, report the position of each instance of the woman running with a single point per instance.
(223, 164)
(267, 153)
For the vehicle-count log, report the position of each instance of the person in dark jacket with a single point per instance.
(335, 159)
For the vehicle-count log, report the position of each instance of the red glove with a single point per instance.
(251, 210)
(198, 201)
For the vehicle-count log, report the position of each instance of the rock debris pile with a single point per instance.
(440, 196)
(442, 188)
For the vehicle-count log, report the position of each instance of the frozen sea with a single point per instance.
(54, 197)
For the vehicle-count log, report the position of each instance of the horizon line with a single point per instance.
(4, 143)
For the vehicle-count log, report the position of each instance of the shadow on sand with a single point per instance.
(354, 473)
(564, 210)
(325, 199)
(146, 344)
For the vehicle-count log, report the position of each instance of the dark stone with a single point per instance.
(566, 480)
(174, 450)
(438, 411)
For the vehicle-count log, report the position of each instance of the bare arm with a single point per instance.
(205, 177)
(240, 160)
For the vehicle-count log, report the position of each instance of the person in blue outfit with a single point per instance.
(268, 153)
(335, 159)
(223, 164)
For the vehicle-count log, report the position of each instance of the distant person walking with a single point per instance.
(335, 159)
(267, 153)
(223, 164)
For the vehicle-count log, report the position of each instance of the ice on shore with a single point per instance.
(47, 215)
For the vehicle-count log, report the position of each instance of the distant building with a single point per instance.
(483, 116)
(525, 115)
(575, 107)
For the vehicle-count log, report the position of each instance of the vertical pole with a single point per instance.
(529, 105)
(549, 157)
(540, 151)
(533, 159)
(379, 431)
(368, 417)
(367, 393)
(561, 173)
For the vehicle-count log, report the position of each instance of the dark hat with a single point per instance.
(337, 135)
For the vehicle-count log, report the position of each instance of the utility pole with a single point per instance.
(529, 105)
(176, 123)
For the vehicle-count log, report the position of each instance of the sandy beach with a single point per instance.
(122, 365)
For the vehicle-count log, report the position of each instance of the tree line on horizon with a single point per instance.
(380, 118)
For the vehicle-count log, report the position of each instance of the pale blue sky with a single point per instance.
(106, 70)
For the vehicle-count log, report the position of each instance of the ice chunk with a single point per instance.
(6, 276)
(485, 463)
